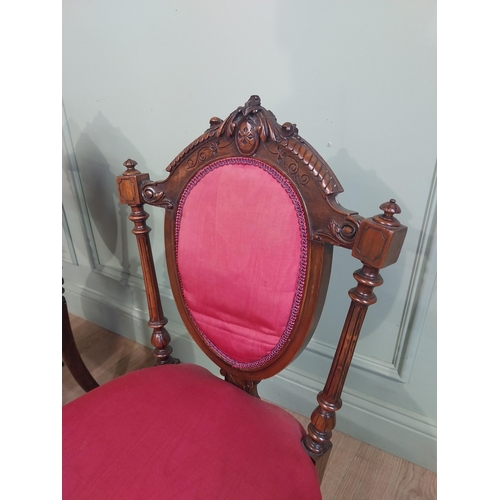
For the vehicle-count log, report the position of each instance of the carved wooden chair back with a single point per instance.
(251, 219)
(244, 230)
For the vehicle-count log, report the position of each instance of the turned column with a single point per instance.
(129, 193)
(377, 245)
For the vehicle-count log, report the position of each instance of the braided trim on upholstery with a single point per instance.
(302, 267)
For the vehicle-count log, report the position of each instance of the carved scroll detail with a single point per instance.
(318, 169)
(203, 154)
(214, 125)
(342, 232)
(153, 195)
(252, 125)
(316, 166)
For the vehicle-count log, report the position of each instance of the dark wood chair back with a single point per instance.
(251, 219)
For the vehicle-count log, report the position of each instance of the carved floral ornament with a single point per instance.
(247, 128)
(250, 125)
(247, 139)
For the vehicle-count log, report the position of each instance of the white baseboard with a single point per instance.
(393, 429)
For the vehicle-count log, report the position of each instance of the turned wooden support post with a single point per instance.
(377, 245)
(129, 193)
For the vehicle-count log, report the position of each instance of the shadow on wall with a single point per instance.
(364, 182)
(364, 192)
(100, 151)
(98, 159)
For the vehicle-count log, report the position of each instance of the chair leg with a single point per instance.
(71, 355)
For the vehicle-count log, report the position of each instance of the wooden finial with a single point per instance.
(390, 208)
(130, 165)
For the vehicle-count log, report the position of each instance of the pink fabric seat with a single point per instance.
(179, 432)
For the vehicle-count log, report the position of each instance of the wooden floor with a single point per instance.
(356, 471)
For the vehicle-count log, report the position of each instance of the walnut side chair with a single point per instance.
(251, 219)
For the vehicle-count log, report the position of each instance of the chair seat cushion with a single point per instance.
(179, 432)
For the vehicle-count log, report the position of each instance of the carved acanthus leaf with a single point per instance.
(252, 123)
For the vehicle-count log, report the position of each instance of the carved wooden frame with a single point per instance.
(252, 131)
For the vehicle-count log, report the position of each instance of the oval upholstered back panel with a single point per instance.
(241, 254)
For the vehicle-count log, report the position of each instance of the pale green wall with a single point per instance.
(359, 80)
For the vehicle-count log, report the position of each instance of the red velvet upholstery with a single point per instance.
(241, 257)
(206, 439)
